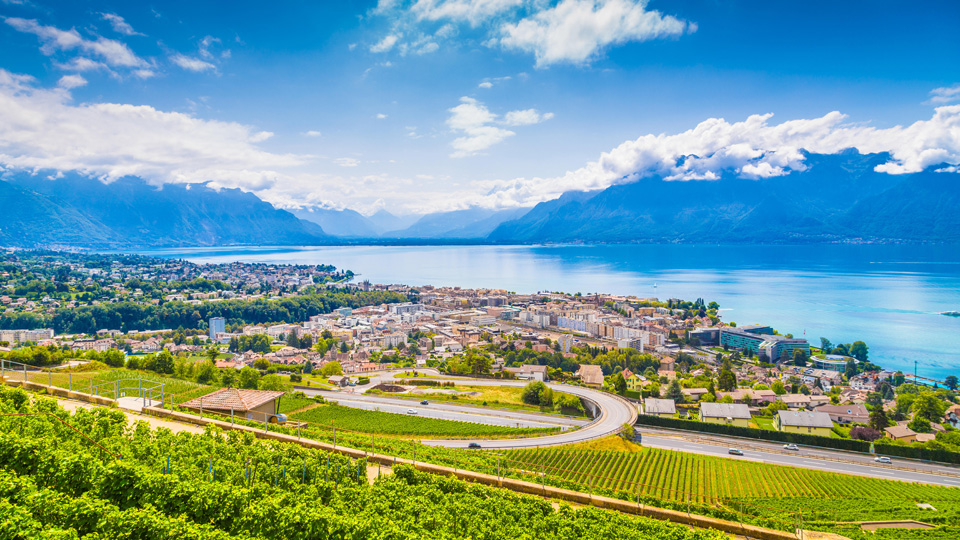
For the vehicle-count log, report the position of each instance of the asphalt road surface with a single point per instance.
(807, 459)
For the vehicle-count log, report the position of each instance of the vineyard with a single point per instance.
(129, 483)
(99, 382)
(363, 421)
(768, 493)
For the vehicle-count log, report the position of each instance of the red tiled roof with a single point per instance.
(233, 399)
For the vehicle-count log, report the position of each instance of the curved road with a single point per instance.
(615, 412)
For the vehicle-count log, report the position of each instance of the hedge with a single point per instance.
(854, 445)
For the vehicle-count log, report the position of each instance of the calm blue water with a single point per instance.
(888, 296)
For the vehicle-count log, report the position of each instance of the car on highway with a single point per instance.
(473, 445)
(735, 452)
(411, 411)
(882, 459)
(424, 402)
(791, 446)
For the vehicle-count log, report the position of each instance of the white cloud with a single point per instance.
(191, 63)
(947, 94)
(753, 148)
(312, 133)
(119, 25)
(82, 64)
(385, 44)
(71, 81)
(525, 117)
(381, 116)
(478, 129)
(471, 11)
(485, 84)
(347, 162)
(577, 31)
(41, 129)
(114, 53)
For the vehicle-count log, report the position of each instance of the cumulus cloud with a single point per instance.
(578, 30)
(947, 94)
(385, 44)
(478, 126)
(753, 148)
(114, 53)
(312, 133)
(191, 63)
(381, 116)
(485, 84)
(71, 81)
(42, 129)
(119, 25)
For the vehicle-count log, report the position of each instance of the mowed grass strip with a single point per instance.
(351, 419)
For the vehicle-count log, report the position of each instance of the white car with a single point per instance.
(882, 459)
(411, 411)
(791, 446)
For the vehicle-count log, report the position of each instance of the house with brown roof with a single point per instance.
(846, 414)
(257, 405)
(900, 433)
(591, 375)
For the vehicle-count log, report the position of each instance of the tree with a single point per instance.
(864, 433)
(249, 378)
(212, 353)
(674, 392)
(859, 351)
(206, 373)
(164, 362)
(898, 378)
(951, 382)
(799, 357)
(113, 358)
(261, 364)
(928, 406)
(727, 381)
(778, 388)
(851, 370)
(878, 419)
(228, 378)
(826, 346)
(331, 368)
(308, 367)
(920, 425)
(531, 393)
(274, 382)
(617, 384)
(874, 399)
(344, 347)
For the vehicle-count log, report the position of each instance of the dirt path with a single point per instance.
(133, 417)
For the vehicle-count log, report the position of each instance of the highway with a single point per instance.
(807, 459)
(614, 413)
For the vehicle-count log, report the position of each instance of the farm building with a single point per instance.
(901, 433)
(813, 423)
(252, 404)
(733, 414)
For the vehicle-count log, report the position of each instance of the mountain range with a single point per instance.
(836, 198)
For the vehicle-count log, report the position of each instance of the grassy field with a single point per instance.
(502, 397)
(406, 425)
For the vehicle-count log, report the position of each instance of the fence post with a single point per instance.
(414, 443)
(140, 387)
(91, 386)
(116, 389)
(231, 416)
(454, 459)
(24, 373)
(70, 381)
(201, 408)
(334, 438)
(50, 377)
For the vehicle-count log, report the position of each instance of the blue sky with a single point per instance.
(426, 105)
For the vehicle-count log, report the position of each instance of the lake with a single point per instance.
(888, 296)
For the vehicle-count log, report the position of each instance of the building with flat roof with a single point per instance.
(218, 325)
(756, 338)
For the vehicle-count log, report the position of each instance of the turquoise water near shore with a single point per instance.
(889, 296)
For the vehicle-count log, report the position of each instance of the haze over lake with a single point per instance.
(889, 296)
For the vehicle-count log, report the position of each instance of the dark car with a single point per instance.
(424, 402)
(473, 445)
(735, 452)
